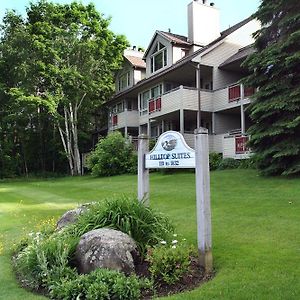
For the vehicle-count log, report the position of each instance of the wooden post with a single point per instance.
(143, 173)
(203, 199)
(242, 109)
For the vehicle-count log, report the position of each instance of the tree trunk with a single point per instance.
(73, 121)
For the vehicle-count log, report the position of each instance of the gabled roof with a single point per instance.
(136, 62)
(176, 38)
(171, 37)
(188, 58)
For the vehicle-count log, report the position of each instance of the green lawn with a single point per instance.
(256, 226)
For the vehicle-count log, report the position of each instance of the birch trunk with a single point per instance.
(73, 124)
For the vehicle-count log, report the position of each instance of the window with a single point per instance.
(124, 81)
(150, 100)
(144, 98)
(159, 57)
(117, 108)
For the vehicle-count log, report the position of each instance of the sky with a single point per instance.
(139, 19)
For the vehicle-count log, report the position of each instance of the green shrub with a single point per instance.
(99, 284)
(113, 155)
(146, 226)
(229, 163)
(214, 160)
(169, 262)
(43, 258)
(248, 163)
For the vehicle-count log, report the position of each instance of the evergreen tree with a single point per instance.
(275, 72)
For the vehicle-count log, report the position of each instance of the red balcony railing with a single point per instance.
(114, 120)
(154, 105)
(241, 144)
(234, 92)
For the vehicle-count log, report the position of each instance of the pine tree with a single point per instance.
(275, 72)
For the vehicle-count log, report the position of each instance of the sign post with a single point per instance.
(203, 199)
(171, 151)
(143, 173)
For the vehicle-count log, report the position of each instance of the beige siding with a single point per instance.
(183, 98)
(217, 56)
(220, 100)
(190, 140)
(216, 143)
(225, 122)
(143, 119)
(229, 149)
(126, 119)
(169, 54)
(228, 146)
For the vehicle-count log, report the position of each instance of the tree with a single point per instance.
(274, 67)
(68, 67)
(113, 155)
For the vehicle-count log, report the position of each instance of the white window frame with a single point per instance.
(160, 49)
(124, 81)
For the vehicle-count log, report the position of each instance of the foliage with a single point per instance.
(274, 71)
(114, 155)
(169, 262)
(45, 259)
(228, 163)
(214, 160)
(263, 226)
(146, 226)
(100, 284)
(56, 69)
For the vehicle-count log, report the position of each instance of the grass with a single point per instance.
(255, 220)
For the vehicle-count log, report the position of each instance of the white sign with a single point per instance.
(171, 151)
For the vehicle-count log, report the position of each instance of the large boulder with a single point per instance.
(71, 216)
(106, 248)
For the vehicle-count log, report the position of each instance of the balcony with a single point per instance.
(230, 96)
(235, 146)
(180, 98)
(127, 118)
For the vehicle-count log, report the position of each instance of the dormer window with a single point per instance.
(158, 57)
(124, 81)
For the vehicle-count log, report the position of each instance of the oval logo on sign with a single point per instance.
(169, 142)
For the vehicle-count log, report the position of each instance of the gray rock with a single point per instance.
(106, 248)
(71, 216)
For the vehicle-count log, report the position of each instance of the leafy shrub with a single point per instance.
(146, 226)
(229, 163)
(169, 262)
(99, 284)
(214, 160)
(248, 163)
(113, 155)
(43, 257)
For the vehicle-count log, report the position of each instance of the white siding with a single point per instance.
(243, 36)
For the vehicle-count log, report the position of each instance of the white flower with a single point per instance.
(174, 242)
(163, 242)
(174, 246)
(175, 234)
